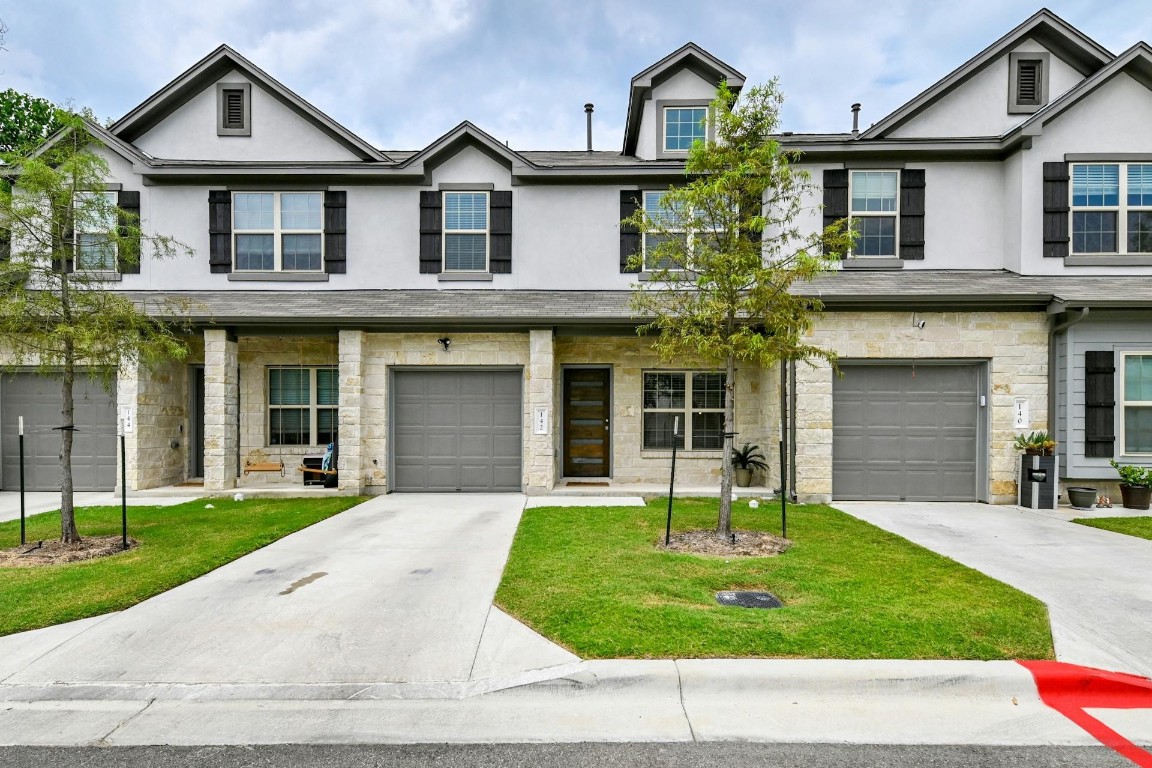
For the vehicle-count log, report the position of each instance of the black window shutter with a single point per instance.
(67, 241)
(1056, 210)
(129, 255)
(220, 230)
(500, 232)
(336, 232)
(911, 214)
(835, 196)
(629, 235)
(1099, 404)
(431, 262)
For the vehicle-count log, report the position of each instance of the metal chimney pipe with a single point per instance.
(588, 111)
(855, 120)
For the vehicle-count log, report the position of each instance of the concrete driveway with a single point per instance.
(1096, 583)
(394, 593)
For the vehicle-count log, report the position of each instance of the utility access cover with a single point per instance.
(749, 599)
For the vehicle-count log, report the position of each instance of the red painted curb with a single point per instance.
(1070, 689)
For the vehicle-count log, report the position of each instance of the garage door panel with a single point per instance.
(37, 399)
(906, 432)
(470, 423)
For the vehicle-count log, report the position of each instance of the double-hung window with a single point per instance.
(278, 231)
(302, 405)
(671, 221)
(693, 401)
(874, 212)
(465, 231)
(1112, 208)
(95, 222)
(1136, 405)
(683, 126)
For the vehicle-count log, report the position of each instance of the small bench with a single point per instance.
(264, 466)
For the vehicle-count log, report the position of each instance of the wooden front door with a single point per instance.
(587, 426)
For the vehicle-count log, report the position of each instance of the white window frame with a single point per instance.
(277, 231)
(78, 231)
(1123, 403)
(1121, 210)
(658, 195)
(707, 125)
(893, 214)
(445, 231)
(685, 412)
(312, 406)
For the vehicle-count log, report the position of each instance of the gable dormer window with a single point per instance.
(1028, 82)
(682, 123)
(233, 109)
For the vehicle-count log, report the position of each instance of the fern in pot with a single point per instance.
(745, 460)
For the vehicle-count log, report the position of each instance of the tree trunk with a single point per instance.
(724, 524)
(68, 532)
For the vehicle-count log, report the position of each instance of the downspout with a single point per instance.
(1057, 328)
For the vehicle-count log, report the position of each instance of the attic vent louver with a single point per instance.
(233, 109)
(1028, 83)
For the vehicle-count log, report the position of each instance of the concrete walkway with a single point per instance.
(391, 598)
(1095, 583)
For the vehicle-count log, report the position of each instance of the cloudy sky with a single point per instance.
(401, 72)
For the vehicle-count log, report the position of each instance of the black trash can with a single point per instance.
(1038, 482)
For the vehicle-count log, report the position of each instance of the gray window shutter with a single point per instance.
(129, 255)
(431, 262)
(1099, 404)
(336, 233)
(220, 230)
(629, 235)
(1056, 210)
(500, 232)
(911, 246)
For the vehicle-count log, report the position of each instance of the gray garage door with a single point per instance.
(906, 433)
(456, 430)
(37, 399)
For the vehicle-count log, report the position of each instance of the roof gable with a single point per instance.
(464, 135)
(689, 56)
(1136, 62)
(1046, 28)
(204, 73)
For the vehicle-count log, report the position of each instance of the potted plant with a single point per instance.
(1036, 444)
(1135, 485)
(745, 460)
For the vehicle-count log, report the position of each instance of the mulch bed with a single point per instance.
(748, 544)
(56, 552)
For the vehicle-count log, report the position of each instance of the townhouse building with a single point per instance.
(457, 318)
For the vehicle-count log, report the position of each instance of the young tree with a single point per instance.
(25, 121)
(64, 237)
(724, 249)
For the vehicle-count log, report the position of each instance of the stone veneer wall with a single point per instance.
(1014, 343)
(158, 398)
(255, 354)
(383, 350)
(756, 410)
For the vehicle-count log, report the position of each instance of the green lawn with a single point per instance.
(1132, 526)
(592, 580)
(177, 544)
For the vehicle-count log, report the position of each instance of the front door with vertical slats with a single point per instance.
(587, 426)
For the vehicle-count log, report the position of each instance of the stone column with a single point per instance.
(352, 411)
(540, 450)
(221, 410)
(127, 397)
(814, 433)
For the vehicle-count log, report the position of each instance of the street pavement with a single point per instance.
(377, 627)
